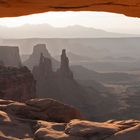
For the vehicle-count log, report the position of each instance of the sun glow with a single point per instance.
(101, 20)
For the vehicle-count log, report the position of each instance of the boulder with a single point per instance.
(16, 84)
(53, 131)
(132, 133)
(13, 129)
(41, 109)
(85, 128)
(34, 121)
(56, 111)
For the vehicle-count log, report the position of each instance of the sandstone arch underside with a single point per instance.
(11, 8)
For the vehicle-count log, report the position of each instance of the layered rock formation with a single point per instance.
(22, 7)
(16, 83)
(10, 56)
(61, 85)
(33, 60)
(47, 119)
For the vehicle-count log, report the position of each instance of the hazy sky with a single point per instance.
(101, 20)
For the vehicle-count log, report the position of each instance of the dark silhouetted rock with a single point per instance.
(127, 134)
(16, 83)
(86, 128)
(44, 69)
(64, 70)
(53, 131)
(10, 56)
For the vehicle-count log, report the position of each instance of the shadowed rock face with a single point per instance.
(41, 109)
(38, 119)
(59, 85)
(9, 56)
(24, 7)
(64, 69)
(16, 84)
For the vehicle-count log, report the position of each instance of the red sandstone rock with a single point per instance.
(89, 129)
(13, 129)
(24, 121)
(56, 111)
(16, 84)
(53, 131)
(128, 134)
(24, 7)
(41, 109)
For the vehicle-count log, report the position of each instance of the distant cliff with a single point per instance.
(16, 84)
(33, 60)
(10, 56)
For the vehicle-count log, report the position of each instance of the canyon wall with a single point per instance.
(10, 56)
(16, 84)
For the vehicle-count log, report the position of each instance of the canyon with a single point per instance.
(27, 110)
(24, 116)
(62, 85)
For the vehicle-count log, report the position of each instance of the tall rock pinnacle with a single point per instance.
(44, 69)
(64, 68)
(64, 61)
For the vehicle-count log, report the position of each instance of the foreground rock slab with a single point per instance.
(41, 109)
(48, 119)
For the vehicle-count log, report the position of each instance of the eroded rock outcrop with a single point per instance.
(44, 69)
(38, 119)
(9, 56)
(41, 109)
(64, 69)
(16, 83)
(34, 58)
(60, 84)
